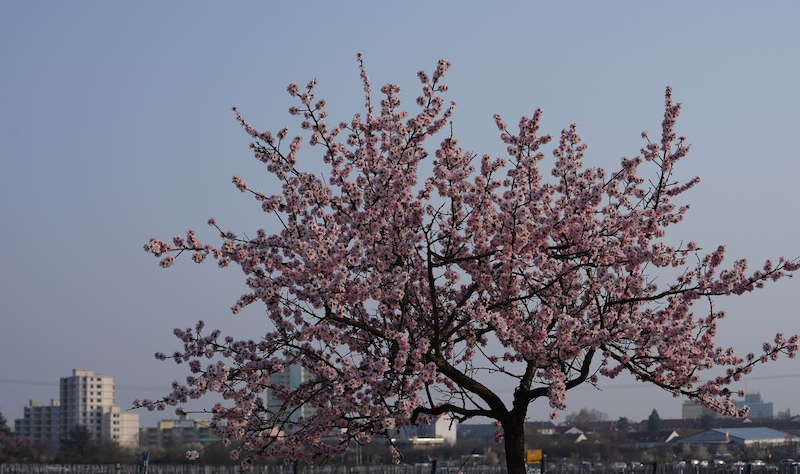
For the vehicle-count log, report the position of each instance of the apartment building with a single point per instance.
(88, 400)
(41, 423)
(291, 377)
(177, 432)
(121, 427)
(85, 398)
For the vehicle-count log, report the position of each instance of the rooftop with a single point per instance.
(756, 432)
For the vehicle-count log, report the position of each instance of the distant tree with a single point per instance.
(109, 452)
(700, 452)
(654, 421)
(409, 265)
(215, 454)
(4, 425)
(623, 424)
(77, 444)
(706, 421)
(585, 415)
(15, 448)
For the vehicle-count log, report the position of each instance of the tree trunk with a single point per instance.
(514, 440)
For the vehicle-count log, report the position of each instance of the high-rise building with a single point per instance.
(88, 400)
(41, 423)
(758, 408)
(291, 377)
(85, 398)
(692, 411)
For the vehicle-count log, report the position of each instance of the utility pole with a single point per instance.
(145, 461)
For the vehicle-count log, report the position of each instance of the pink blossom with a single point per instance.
(239, 183)
(411, 264)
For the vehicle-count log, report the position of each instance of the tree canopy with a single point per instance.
(4, 428)
(585, 415)
(399, 290)
(653, 421)
(77, 443)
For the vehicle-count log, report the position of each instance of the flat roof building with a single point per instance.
(743, 436)
(41, 423)
(693, 411)
(758, 408)
(85, 399)
(291, 377)
(177, 432)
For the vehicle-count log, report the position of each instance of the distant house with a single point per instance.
(442, 430)
(685, 433)
(570, 430)
(653, 439)
(741, 436)
(690, 423)
(672, 424)
(569, 438)
(542, 427)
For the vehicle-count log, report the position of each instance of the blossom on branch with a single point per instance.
(396, 290)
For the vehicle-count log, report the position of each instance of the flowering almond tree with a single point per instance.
(397, 291)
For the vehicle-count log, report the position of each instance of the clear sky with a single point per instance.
(115, 127)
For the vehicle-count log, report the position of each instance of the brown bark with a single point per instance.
(514, 440)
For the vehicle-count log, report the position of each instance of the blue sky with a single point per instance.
(115, 126)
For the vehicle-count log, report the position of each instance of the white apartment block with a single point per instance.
(41, 423)
(86, 399)
(121, 427)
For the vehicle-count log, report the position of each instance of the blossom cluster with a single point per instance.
(395, 290)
